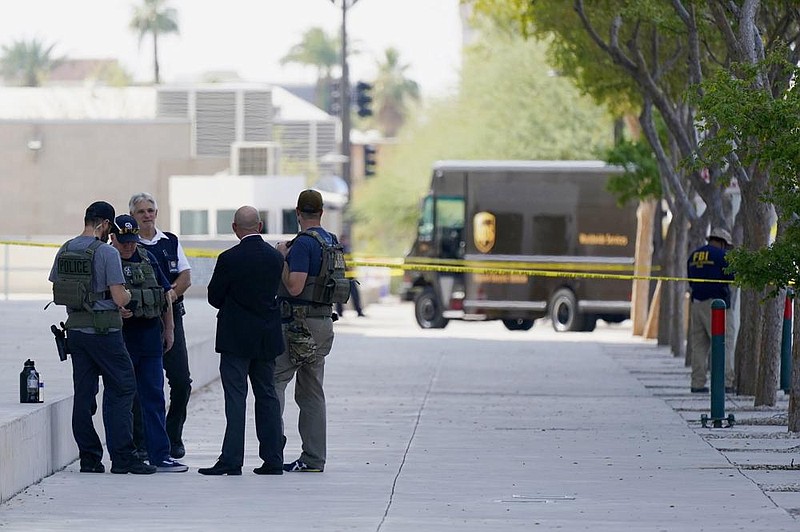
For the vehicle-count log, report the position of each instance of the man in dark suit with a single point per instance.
(243, 287)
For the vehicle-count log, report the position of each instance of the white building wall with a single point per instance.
(272, 194)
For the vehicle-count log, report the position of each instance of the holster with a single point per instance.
(61, 342)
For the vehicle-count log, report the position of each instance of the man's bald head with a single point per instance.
(247, 220)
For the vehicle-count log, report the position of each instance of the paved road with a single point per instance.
(468, 428)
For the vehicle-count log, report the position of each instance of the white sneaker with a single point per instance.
(171, 466)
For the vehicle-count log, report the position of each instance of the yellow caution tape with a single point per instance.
(559, 270)
(554, 271)
(28, 243)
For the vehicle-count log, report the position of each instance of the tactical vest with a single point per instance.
(73, 289)
(141, 280)
(331, 284)
(165, 250)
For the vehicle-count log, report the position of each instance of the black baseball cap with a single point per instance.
(101, 210)
(309, 201)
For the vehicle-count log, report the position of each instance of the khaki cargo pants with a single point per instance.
(308, 392)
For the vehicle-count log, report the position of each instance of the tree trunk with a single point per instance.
(755, 215)
(642, 265)
(748, 343)
(696, 238)
(769, 360)
(156, 76)
(794, 398)
(667, 270)
(678, 288)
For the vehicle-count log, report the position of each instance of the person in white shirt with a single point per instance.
(173, 262)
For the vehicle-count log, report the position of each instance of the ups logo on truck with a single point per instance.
(483, 229)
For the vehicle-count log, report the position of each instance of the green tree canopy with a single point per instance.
(27, 63)
(394, 93)
(156, 18)
(319, 50)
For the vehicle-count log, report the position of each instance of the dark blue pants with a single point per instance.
(95, 355)
(176, 366)
(152, 408)
(233, 372)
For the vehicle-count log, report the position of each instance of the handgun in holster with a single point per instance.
(61, 341)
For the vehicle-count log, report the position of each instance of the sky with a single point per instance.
(248, 36)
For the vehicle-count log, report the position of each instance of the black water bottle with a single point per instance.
(29, 383)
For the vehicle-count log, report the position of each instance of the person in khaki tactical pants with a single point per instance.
(308, 332)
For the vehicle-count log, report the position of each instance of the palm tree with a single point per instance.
(317, 49)
(393, 93)
(157, 18)
(27, 63)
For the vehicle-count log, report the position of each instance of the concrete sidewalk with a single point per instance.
(468, 428)
(36, 439)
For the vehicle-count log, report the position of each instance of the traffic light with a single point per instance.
(335, 97)
(369, 160)
(364, 99)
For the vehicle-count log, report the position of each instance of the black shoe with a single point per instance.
(96, 467)
(704, 389)
(135, 468)
(220, 469)
(268, 470)
(177, 450)
(141, 455)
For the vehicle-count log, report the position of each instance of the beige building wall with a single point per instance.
(50, 170)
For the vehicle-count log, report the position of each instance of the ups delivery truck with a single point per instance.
(482, 219)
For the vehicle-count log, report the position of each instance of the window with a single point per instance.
(290, 225)
(224, 220)
(425, 228)
(264, 224)
(194, 222)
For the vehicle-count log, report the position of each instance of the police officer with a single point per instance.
(146, 338)
(709, 262)
(87, 277)
(173, 262)
(308, 333)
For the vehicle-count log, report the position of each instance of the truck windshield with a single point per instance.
(444, 222)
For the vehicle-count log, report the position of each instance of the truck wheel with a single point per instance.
(428, 311)
(564, 312)
(518, 324)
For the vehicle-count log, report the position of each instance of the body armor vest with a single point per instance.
(331, 284)
(73, 288)
(141, 280)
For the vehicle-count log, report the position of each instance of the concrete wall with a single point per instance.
(50, 171)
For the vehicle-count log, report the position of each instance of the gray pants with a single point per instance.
(308, 392)
(700, 340)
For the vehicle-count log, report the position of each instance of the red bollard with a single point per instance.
(717, 366)
(786, 342)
